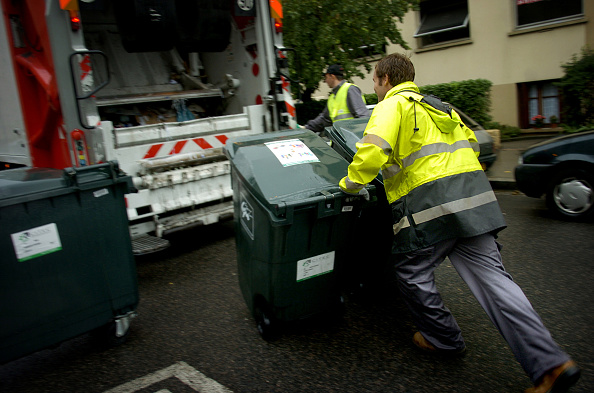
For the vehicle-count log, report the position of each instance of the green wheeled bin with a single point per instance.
(66, 264)
(292, 225)
(376, 218)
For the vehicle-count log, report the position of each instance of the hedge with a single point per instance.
(472, 96)
(576, 88)
(309, 110)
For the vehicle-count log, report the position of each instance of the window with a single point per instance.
(442, 21)
(371, 50)
(538, 98)
(533, 12)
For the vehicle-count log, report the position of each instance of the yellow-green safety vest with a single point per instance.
(337, 104)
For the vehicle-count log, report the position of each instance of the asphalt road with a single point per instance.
(194, 331)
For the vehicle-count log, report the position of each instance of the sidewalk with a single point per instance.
(501, 173)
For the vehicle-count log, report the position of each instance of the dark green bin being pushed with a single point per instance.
(66, 264)
(376, 219)
(293, 224)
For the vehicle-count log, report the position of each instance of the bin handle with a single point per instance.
(111, 168)
(327, 194)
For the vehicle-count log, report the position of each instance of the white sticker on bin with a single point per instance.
(292, 152)
(315, 266)
(100, 193)
(36, 242)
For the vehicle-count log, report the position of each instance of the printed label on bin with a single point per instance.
(292, 152)
(36, 242)
(100, 193)
(315, 266)
(247, 217)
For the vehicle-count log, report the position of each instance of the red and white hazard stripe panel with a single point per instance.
(289, 104)
(185, 146)
(86, 73)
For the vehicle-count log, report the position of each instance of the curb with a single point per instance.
(503, 184)
(534, 135)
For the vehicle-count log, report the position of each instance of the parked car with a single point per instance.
(487, 155)
(563, 169)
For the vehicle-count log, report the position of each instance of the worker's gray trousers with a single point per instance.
(478, 261)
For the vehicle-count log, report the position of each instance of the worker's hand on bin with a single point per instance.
(362, 192)
(353, 190)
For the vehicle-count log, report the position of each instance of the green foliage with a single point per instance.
(567, 129)
(309, 110)
(370, 99)
(507, 132)
(470, 96)
(324, 32)
(577, 90)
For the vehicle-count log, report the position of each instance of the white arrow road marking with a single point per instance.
(180, 370)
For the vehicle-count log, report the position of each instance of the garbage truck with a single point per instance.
(157, 85)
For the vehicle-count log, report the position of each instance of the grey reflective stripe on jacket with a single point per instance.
(344, 116)
(377, 141)
(351, 185)
(427, 150)
(461, 205)
(456, 206)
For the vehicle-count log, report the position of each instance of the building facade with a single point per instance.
(518, 45)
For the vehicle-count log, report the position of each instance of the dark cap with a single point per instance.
(335, 69)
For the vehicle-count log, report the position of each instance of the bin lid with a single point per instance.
(347, 133)
(26, 181)
(286, 166)
(28, 184)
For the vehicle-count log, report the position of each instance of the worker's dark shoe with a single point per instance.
(558, 379)
(427, 347)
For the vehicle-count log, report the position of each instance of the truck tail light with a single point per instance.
(74, 21)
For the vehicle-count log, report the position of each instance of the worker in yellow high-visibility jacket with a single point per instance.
(443, 206)
(344, 103)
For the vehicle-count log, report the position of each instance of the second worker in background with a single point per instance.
(345, 101)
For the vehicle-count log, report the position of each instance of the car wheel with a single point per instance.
(570, 195)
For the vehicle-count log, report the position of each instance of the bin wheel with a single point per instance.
(105, 336)
(338, 309)
(265, 322)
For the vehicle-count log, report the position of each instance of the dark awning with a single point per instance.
(443, 20)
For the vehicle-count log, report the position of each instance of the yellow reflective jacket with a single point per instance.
(338, 108)
(432, 177)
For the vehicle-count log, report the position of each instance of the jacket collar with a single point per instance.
(444, 122)
(400, 87)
